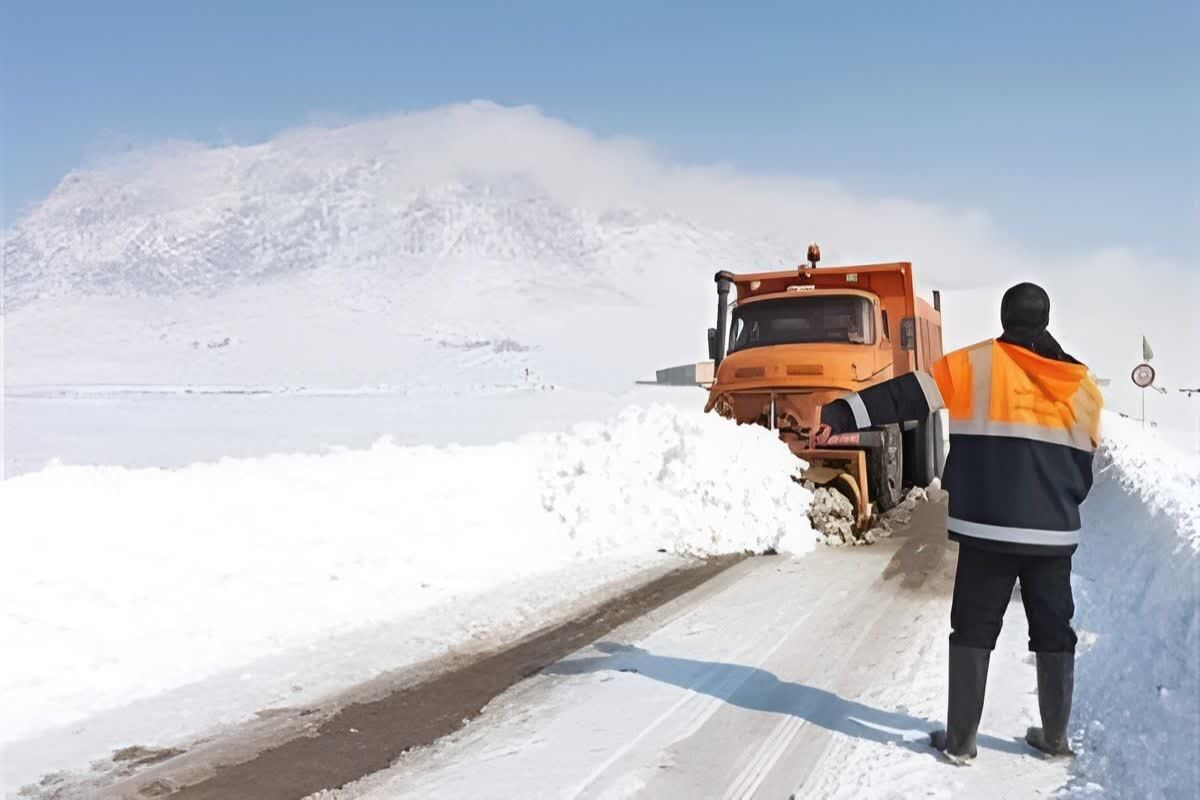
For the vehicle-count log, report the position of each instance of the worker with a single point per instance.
(1024, 426)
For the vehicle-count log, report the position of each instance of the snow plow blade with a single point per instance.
(844, 471)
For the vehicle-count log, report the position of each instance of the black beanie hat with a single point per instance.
(1025, 314)
(1025, 310)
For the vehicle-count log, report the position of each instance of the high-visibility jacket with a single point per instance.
(1023, 433)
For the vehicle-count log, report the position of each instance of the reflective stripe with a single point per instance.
(981, 381)
(1001, 533)
(933, 396)
(1068, 437)
(861, 418)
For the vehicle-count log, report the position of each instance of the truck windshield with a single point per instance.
(844, 319)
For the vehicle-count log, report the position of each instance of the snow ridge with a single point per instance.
(1163, 476)
(1137, 587)
(602, 481)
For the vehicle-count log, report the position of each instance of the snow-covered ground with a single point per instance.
(815, 678)
(132, 583)
(162, 603)
(821, 678)
(174, 426)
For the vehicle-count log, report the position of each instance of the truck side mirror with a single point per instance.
(908, 333)
(712, 343)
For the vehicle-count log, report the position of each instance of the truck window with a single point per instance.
(836, 319)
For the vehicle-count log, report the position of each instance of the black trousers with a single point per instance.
(983, 585)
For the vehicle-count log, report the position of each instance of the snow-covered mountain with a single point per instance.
(393, 250)
(95, 236)
(398, 196)
(197, 264)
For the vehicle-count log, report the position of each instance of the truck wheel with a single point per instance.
(941, 441)
(885, 469)
(920, 453)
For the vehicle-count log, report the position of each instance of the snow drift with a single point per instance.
(126, 583)
(1137, 571)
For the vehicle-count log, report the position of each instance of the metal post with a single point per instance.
(724, 280)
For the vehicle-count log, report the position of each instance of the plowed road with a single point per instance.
(818, 677)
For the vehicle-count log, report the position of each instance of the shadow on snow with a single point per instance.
(759, 690)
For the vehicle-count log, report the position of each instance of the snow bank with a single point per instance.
(1137, 706)
(119, 584)
(698, 485)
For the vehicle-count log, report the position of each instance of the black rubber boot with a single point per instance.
(1056, 684)
(968, 679)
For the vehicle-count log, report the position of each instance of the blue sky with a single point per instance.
(1072, 123)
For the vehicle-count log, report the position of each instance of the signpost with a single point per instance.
(1143, 378)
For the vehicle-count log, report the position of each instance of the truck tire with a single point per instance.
(885, 470)
(941, 441)
(921, 453)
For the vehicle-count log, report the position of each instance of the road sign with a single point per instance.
(1143, 375)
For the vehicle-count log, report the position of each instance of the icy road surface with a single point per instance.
(818, 677)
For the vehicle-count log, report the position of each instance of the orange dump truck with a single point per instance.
(794, 340)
